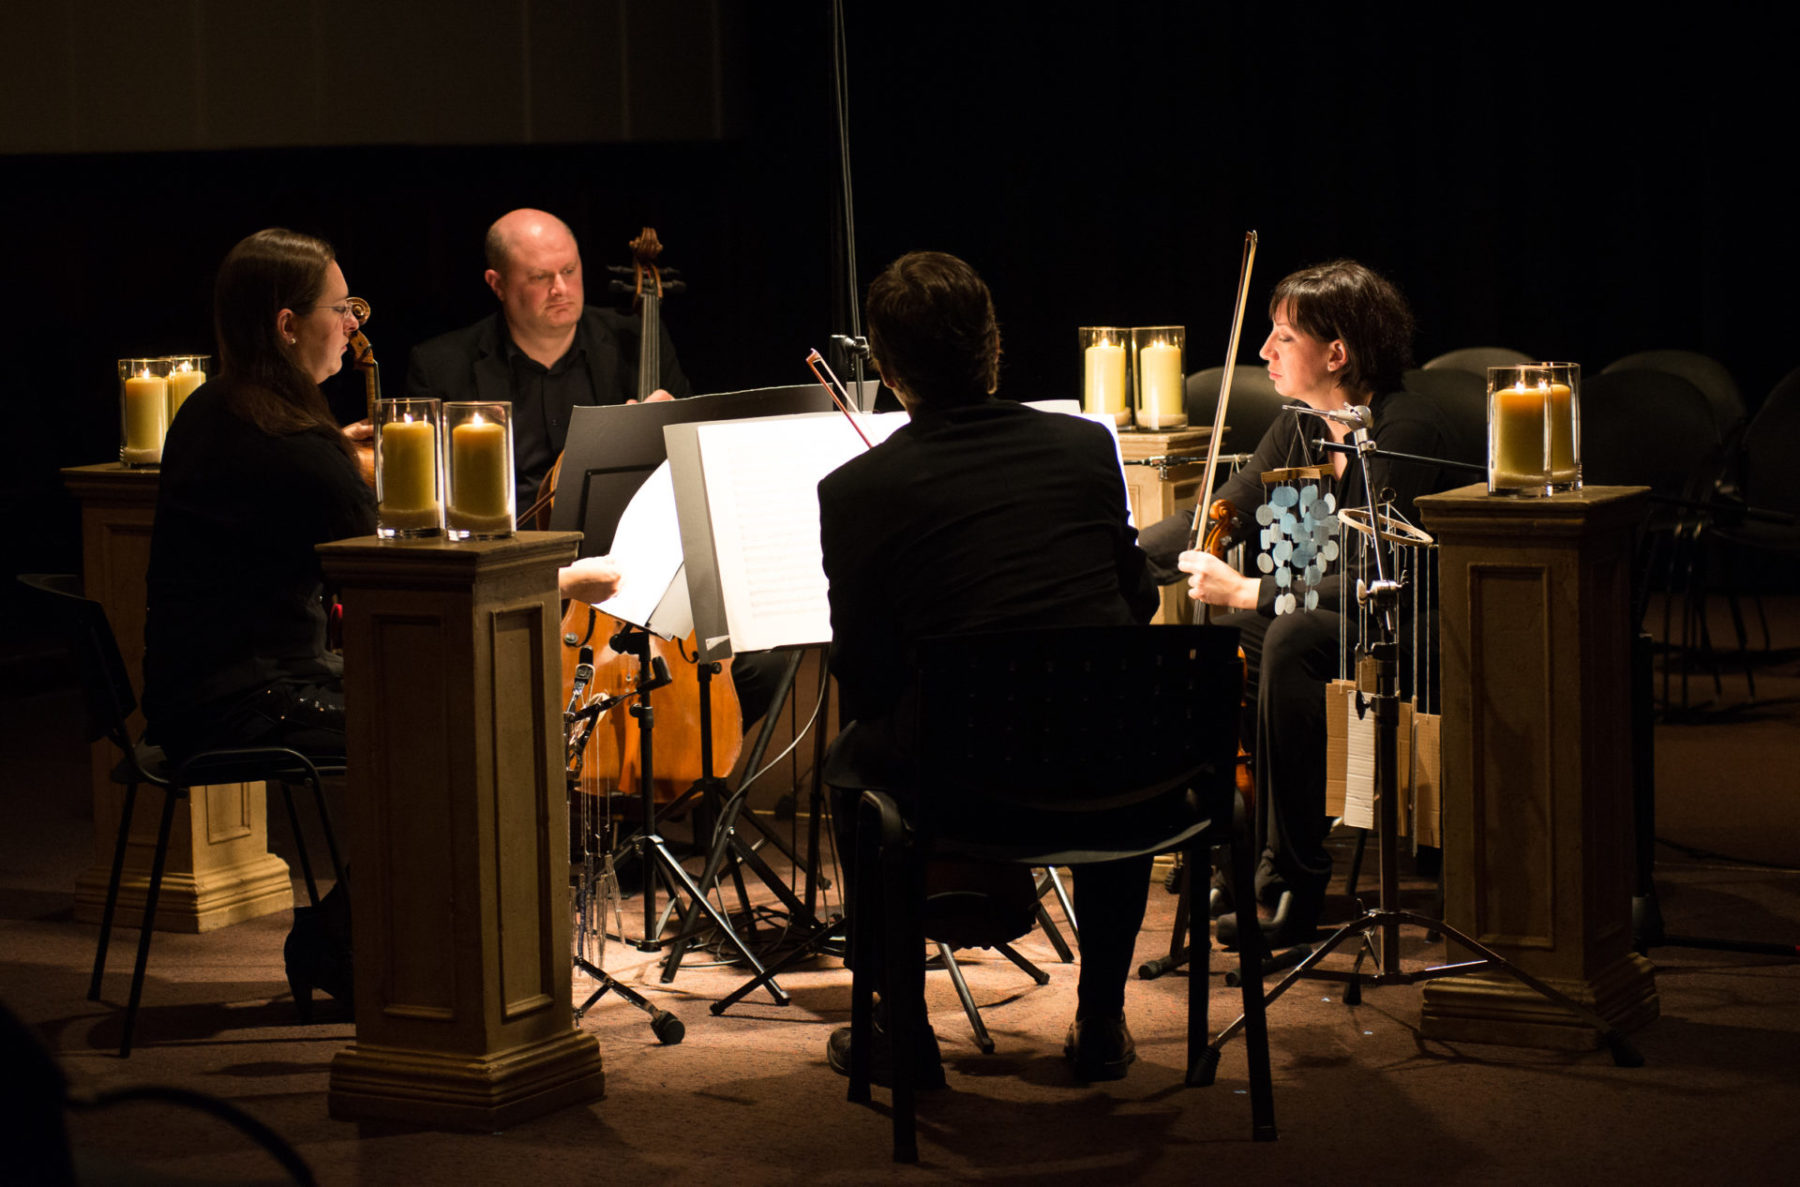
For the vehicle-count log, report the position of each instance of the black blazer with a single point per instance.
(471, 364)
(989, 516)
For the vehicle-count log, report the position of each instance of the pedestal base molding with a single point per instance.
(191, 902)
(1495, 1008)
(476, 1093)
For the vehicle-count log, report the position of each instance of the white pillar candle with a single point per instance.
(1104, 390)
(408, 460)
(182, 384)
(146, 411)
(1160, 388)
(478, 478)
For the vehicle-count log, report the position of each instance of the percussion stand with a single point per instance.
(658, 861)
(728, 843)
(1378, 929)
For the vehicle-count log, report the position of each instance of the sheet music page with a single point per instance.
(1359, 767)
(762, 480)
(647, 549)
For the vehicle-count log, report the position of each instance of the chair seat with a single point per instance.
(1043, 838)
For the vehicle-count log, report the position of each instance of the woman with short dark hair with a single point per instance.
(1341, 336)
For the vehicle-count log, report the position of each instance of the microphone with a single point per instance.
(584, 672)
(1357, 416)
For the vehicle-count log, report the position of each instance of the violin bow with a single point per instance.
(829, 381)
(1218, 432)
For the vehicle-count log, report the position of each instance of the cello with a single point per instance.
(685, 752)
(362, 357)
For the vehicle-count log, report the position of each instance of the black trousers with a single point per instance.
(1290, 658)
(1110, 897)
(304, 717)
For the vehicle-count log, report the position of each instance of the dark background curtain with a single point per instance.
(1573, 188)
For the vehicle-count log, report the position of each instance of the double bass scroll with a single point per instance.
(612, 759)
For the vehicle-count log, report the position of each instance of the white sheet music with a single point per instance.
(647, 548)
(1359, 766)
(762, 480)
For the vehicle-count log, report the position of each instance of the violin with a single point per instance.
(362, 357)
(684, 752)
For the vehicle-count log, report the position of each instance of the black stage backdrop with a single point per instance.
(1569, 188)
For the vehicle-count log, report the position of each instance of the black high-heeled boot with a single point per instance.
(317, 953)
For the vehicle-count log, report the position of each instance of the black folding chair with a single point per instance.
(1048, 748)
(83, 626)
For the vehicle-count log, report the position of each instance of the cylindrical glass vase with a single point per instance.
(408, 469)
(186, 373)
(143, 410)
(1534, 428)
(478, 454)
(1158, 365)
(1105, 353)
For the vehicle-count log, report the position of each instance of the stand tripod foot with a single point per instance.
(667, 1028)
(1150, 970)
(1205, 1070)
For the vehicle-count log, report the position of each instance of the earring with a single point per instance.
(291, 340)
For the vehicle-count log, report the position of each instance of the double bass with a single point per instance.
(684, 751)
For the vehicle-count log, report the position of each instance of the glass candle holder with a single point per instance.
(1158, 364)
(143, 410)
(186, 373)
(1534, 428)
(478, 453)
(1105, 351)
(408, 469)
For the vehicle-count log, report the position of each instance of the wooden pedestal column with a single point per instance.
(219, 870)
(1158, 489)
(1537, 814)
(459, 837)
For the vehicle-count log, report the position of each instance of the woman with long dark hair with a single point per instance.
(255, 474)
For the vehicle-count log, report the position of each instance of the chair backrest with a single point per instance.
(1648, 428)
(1707, 374)
(1077, 719)
(1477, 359)
(1253, 408)
(1767, 445)
(81, 623)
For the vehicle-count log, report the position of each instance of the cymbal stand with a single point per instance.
(728, 843)
(1378, 929)
(658, 861)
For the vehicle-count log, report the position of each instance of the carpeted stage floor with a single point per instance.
(747, 1098)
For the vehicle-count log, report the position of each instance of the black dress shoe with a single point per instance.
(928, 1070)
(1099, 1048)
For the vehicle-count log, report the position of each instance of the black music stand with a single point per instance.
(609, 453)
(713, 628)
(1378, 928)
